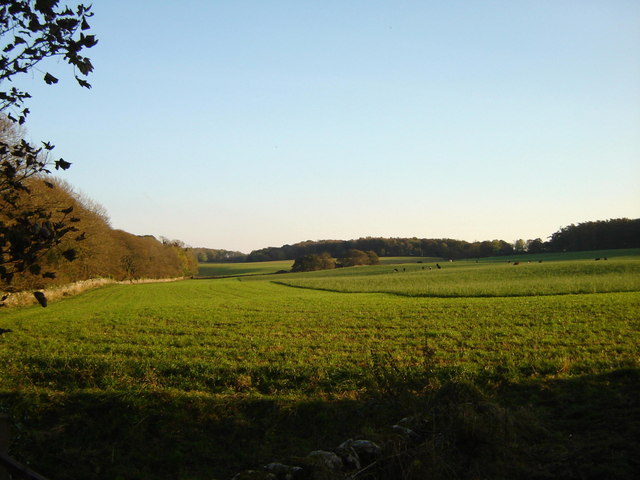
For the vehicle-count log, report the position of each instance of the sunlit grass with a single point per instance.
(465, 279)
(229, 336)
(247, 268)
(167, 370)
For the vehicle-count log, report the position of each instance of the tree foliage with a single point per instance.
(32, 31)
(519, 246)
(212, 255)
(26, 229)
(599, 235)
(314, 261)
(614, 233)
(100, 251)
(535, 246)
(386, 247)
(324, 261)
(358, 257)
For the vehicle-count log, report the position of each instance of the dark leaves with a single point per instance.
(83, 83)
(32, 31)
(62, 164)
(35, 25)
(23, 117)
(35, 269)
(46, 6)
(70, 254)
(88, 41)
(50, 79)
(41, 298)
(84, 65)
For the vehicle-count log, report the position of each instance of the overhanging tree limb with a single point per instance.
(30, 32)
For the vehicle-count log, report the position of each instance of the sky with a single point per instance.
(246, 124)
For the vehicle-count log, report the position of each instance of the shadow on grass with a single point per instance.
(584, 427)
(163, 436)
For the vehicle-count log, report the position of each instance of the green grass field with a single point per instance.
(200, 379)
(249, 268)
(464, 279)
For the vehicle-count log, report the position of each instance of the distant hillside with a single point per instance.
(212, 255)
(598, 235)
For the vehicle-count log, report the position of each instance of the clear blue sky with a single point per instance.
(246, 124)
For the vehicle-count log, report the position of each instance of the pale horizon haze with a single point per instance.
(247, 124)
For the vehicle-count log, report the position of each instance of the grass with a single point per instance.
(199, 379)
(403, 260)
(247, 268)
(464, 279)
(628, 253)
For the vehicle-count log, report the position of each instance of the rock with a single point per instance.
(368, 452)
(405, 432)
(254, 475)
(283, 472)
(409, 422)
(348, 455)
(417, 424)
(328, 460)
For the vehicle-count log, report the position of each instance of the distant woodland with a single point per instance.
(598, 235)
(101, 251)
(212, 255)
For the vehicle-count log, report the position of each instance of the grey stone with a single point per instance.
(405, 432)
(415, 423)
(367, 451)
(348, 455)
(254, 475)
(328, 460)
(282, 471)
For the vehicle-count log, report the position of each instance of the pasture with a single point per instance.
(249, 268)
(200, 379)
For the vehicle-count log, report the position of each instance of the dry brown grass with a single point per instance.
(24, 298)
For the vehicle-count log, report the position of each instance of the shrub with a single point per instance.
(312, 262)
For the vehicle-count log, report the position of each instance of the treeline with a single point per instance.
(324, 261)
(212, 255)
(386, 247)
(97, 249)
(599, 235)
